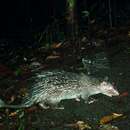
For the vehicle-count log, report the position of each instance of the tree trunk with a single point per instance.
(71, 20)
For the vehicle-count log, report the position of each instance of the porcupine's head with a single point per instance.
(108, 89)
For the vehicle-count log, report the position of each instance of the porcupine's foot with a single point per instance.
(91, 100)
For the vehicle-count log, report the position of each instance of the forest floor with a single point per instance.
(20, 60)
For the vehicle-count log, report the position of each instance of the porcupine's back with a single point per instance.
(57, 85)
(52, 84)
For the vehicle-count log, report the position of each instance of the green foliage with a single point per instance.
(71, 3)
(85, 13)
(18, 72)
(21, 117)
(21, 127)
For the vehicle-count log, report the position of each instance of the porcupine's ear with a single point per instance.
(103, 86)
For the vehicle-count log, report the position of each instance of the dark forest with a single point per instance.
(64, 64)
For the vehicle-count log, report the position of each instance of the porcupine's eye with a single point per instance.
(104, 83)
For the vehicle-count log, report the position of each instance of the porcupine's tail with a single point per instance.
(4, 105)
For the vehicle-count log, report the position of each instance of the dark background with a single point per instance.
(19, 17)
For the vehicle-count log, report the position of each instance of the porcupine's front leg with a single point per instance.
(89, 100)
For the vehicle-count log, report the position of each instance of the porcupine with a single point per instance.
(50, 87)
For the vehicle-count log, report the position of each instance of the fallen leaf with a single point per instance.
(13, 114)
(56, 45)
(108, 127)
(52, 57)
(81, 125)
(109, 118)
(19, 113)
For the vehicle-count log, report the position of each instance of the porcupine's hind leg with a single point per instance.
(50, 105)
(43, 105)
